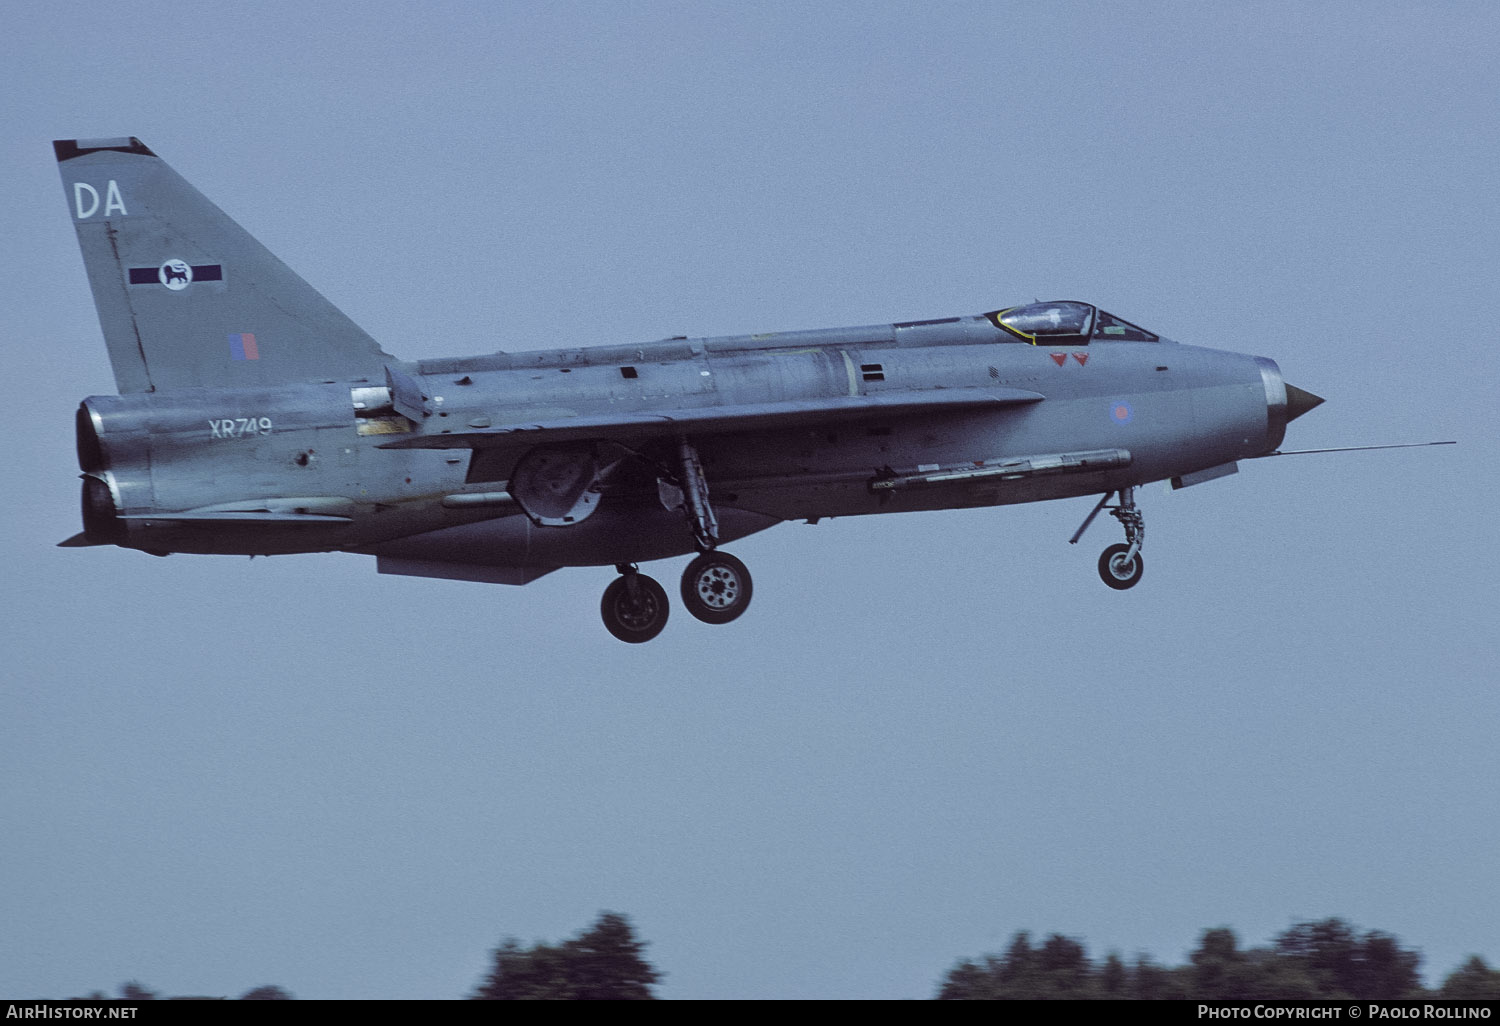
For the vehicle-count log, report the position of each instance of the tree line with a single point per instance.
(1327, 959)
(603, 963)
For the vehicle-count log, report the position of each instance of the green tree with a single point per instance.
(1219, 967)
(1383, 970)
(605, 963)
(1152, 982)
(1328, 958)
(527, 974)
(609, 964)
(1065, 969)
(1274, 976)
(1114, 979)
(1014, 975)
(1060, 968)
(1473, 981)
(1325, 949)
(266, 993)
(1343, 964)
(965, 982)
(1222, 970)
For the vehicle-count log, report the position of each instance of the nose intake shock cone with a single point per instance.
(1299, 401)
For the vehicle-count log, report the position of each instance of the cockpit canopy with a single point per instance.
(1066, 324)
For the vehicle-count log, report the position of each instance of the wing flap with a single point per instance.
(728, 419)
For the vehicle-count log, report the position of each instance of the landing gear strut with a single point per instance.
(1121, 566)
(695, 503)
(716, 587)
(634, 606)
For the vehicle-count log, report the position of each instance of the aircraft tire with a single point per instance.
(716, 587)
(639, 620)
(1116, 573)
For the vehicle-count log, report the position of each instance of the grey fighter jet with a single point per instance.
(256, 418)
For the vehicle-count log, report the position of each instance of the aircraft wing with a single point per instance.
(725, 419)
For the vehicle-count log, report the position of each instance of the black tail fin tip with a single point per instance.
(67, 149)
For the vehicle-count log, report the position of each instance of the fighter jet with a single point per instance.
(255, 418)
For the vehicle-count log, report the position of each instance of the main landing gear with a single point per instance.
(634, 606)
(1120, 566)
(716, 587)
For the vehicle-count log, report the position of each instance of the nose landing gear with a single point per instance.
(1121, 566)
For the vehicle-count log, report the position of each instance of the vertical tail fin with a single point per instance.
(186, 297)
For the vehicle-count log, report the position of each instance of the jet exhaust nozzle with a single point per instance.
(101, 522)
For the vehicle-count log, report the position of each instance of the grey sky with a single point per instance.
(930, 731)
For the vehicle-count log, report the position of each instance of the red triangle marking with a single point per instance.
(1059, 358)
(1082, 358)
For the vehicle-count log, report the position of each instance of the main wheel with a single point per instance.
(634, 618)
(716, 587)
(1116, 572)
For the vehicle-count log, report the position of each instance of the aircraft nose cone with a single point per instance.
(1299, 401)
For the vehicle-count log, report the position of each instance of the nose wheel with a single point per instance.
(634, 607)
(1119, 569)
(1121, 566)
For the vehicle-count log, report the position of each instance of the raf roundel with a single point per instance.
(175, 274)
(1120, 412)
